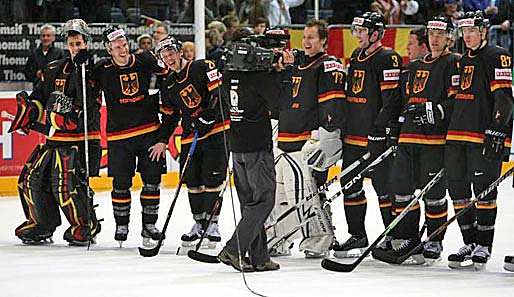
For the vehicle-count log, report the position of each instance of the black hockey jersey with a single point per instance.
(131, 111)
(484, 94)
(430, 80)
(62, 75)
(253, 98)
(373, 95)
(316, 101)
(186, 95)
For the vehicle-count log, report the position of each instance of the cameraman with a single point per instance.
(252, 93)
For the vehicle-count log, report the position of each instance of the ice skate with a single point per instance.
(213, 236)
(480, 256)
(121, 234)
(462, 259)
(508, 263)
(432, 252)
(151, 235)
(190, 239)
(351, 248)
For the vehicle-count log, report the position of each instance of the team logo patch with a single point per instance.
(455, 80)
(129, 84)
(296, 85)
(358, 81)
(59, 84)
(467, 77)
(420, 81)
(502, 74)
(190, 96)
(332, 66)
(391, 74)
(213, 75)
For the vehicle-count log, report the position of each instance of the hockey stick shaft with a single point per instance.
(459, 214)
(341, 267)
(154, 251)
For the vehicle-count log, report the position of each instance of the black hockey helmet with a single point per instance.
(441, 23)
(371, 20)
(170, 43)
(76, 26)
(112, 33)
(473, 19)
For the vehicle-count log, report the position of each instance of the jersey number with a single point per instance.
(296, 85)
(505, 60)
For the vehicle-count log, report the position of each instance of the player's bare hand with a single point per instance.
(157, 151)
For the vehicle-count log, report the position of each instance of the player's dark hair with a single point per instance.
(322, 28)
(421, 35)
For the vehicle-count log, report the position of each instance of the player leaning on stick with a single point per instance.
(54, 175)
(478, 137)
(372, 103)
(431, 86)
(132, 131)
(190, 95)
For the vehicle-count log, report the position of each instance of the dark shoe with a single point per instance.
(267, 266)
(233, 260)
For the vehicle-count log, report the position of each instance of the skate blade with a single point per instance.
(464, 265)
(414, 260)
(479, 266)
(149, 243)
(46, 241)
(120, 242)
(431, 261)
(353, 253)
(508, 266)
(208, 245)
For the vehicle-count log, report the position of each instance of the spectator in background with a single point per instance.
(411, 12)
(232, 24)
(500, 12)
(417, 46)
(259, 26)
(188, 50)
(474, 5)
(213, 42)
(389, 9)
(452, 11)
(278, 11)
(43, 54)
(144, 42)
(219, 26)
(250, 10)
(160, 32)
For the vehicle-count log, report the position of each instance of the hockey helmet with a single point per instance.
(373, 21)
(441, 23)
(169, 43)
(76, 26)
(473, 19)
(112, 33)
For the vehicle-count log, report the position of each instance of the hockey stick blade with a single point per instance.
(466, 208)
(201, 257)
(149, 252)
(343, 267)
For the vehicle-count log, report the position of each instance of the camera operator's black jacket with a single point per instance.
(316, 100)
(253, 98)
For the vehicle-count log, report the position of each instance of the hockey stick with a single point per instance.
(342, 267)
(154, 251)
(347, 184)
(194, 254)
(460, 213)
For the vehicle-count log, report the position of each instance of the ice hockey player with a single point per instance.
(309, 137)
(372, 105)
(124, 79)
(478, 137)
(190, 95)
(54, 175)
(431, 87)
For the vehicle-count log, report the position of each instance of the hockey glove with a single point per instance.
(27, 113)
(320, 155)
(377, 142)
(203, 123)
(494, 142)
(81, 57)
(425, 114)
(393, 133)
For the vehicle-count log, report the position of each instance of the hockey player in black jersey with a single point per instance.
(372, 102)
(478, 137)
(54, 175)
(132, 131)
(309, 138)
(190, 95)
(431, 85)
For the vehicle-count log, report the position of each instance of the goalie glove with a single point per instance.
(325, 152)
(60, 111)
(27, 113)
(425, 114)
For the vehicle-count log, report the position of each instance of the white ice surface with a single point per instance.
(106, 270)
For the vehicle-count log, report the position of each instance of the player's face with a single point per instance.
(311, 42)
(119, 50)
(47, 37)
(75, 44)
(437, 39)
(472, 37)
(171, 58)
(362, 36)
(413, 47)
(259, 29)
